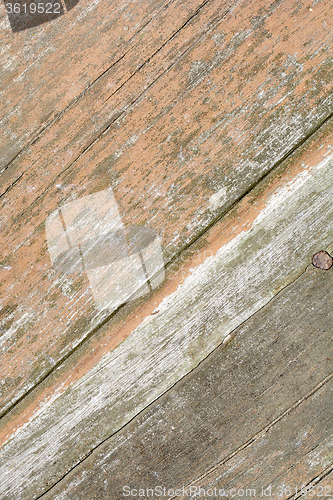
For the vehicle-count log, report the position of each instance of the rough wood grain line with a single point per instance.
(193, 198)
(53, 347)
(73, 51)
(248, 443)
(267, 371)
(151, 38)
(218, 295)
(135, 75)
(290, 455)
(232, 131)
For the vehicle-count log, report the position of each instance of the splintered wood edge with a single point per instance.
(270, 246)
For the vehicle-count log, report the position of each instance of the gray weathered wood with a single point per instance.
(218, 295)
(256, 412)
(183, 127)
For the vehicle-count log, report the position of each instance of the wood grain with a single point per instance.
(180, 141)
(46, 69)
(256, 411)
(217, 295)
(285, 458)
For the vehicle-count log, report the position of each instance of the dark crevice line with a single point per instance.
(251, 187)
(125, 109)
(117, 116)
(9, 187)
(248, 443)
(143, 265)
(167, 264)
(82, 94)
(252, 439)
(62, 220)
(316, 480)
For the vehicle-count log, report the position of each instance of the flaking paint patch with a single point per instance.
(218, 199)
(219, 235)
(213, 300)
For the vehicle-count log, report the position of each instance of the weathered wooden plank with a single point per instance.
(25, 278)
(46, 69)
(223, 235)
(271, 244)
(321, 485)
(172, 143)
(269, 388)
(281, 461)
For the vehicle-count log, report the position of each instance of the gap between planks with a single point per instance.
(314, 482)
(177, 256)
(169, 263)
(15, 392)
(248, 443)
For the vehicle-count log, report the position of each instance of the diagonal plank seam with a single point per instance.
(264, 431)
(113, 360)
(229, 457)
(212, 26)
(171, 260)
(102, 323)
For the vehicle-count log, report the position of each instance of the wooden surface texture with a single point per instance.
(226, 99)
(208, 123)
(257, 411)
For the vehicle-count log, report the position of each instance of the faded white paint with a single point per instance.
(218, 199)
(220, 294)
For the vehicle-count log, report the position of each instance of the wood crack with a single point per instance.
(252, 439)
(12, 184)
(61, 113)
(128, 106)
(167, 265)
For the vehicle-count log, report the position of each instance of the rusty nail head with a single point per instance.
(322, 260)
